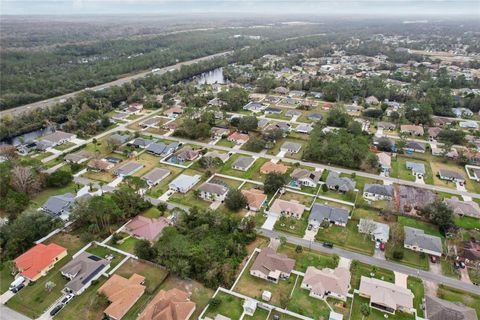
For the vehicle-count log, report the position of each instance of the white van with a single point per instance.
(20, 280)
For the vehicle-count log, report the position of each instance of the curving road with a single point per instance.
(52, 101)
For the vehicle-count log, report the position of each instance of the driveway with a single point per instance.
(379, 254)
(270, 222)
(215, 205)
(164, 197)
(464, 276)
(435, 268)
(462, 188)
(281, 154)
(344, 263)
(6, 296)
(400, 279)
(115, 182)
(310, 234)
(419, 180)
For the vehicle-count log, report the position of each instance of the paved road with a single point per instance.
(425, 275)
(8, 314)
(52, 101)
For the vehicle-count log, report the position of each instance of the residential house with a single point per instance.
(119, 138)
(271, 110)
(82, 270)
(411, 199)
(183, 183)
(380, 232)
(372, 100)
(340, 184)
(377, 192)
(291, 147)
(99, 165)
(112, 160)
(323, 212)
(249, 307)
(281, 90)
(417, 240)
(256, 199)
(414, 146)
(315, 117)
(303, 177)
(442, 121)
(450, 175)
(293, 113)
(296, 94)
(418, 169)
(218, 132)
(272, 266)
(217, 155)
(122, 294)
(269, 167)
(37, 261)
(463, 208)
(412, 129)
(128, 169)
(317, 95)
(185, 154)
(170, 148)
(238, 138)
(78, 157)
(386, 126)
(433, 133)
(471, 251)
(439, 309)
(386, 296)
(255, 107)
(156, 148)
(462, 112)
(272, 99)
(146, 228)
(473, 157)
(384, 161)
(119, 116)
(290, 208)
(470, 124)
(173, 304)
(55, 139)
(140, 143)
(150, 122)
(243, 163)
(211, 191)
(134, 108)
(174, 112)
(304, 128)
(323, 283)
(59, 205)
(154, 176)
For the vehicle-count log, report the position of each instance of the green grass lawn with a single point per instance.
(363, 213)
(300, 198)
(455, 295)
(301, 303)
(189, 199)
(127, 245)
(307, 258)
(474, 277)
(292, 226)
(347, 237)
(102, 252)
(162, 187)
(230, 306)
(152, 213)
(225, 143)
(410, 258)
(260, 314)
(467, 222)
(6, 278)
(448, 269)
(374, 313)
(39, 199)
(276, 148)
(416, 285)
(399, 170)
(65, 146)
(429, 228)
(359, 269)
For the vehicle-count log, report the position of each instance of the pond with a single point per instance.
(29, 136)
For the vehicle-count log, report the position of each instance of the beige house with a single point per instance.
(272, 266)
(327, 282)
(412, 129)
(290, 208)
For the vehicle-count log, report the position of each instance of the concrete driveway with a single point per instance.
(400, 279)
(270, 222)
(310, 234)
(164, 197)
(6, 296)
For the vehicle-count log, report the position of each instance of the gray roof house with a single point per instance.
(82, 270)
(321, 212)
(78, 157)
(315, 117)
(379, 231)
(183, 183)
(417, 240)
(243, 163)
(122, 138)
(463, 208)
(59, 205)
(156, 148)
(291, 147)
(215, 154)
(128, 169)
(451, 175)
(170, 148)
(304, 128)
(305, 177)
(213, 191)
(154, 176)
(293, 112)
(271, 110)
(342, 184)
(438, 309)
(416, 167)
(140, 143)
(415, 146)
(378, 192)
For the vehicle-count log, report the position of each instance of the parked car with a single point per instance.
(55, 310)
(456, 265)
(310, 227)
(382, 246)
(18, 288)
(462, 264)
(433, 259)
(377, 245)
(327, 244)
(67, 298)
(17, 282)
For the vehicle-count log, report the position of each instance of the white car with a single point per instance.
(67, 298)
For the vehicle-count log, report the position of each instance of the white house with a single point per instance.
(183, 183)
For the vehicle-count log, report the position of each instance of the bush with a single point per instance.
(59, 179)
(215, 303)
(398, 255)
(115, 238)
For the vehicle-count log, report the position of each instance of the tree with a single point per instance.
(298, 249)
(144, 250)
(215, 303)
(337, 117)
(24, 179)
(235, 200)
(365, 310)
(15, 203)
(210, 163)
(273, 182)
(397, 233)
(440, 214)
(255, 144)
(8, 152)
(324, 187)
(372, 160)
(136, 183)
(234, 98)
(248, 123)
(162, 207)
(113, 143)
(273, 134)
(418, 114)
(49, 285)
(355, 128)
(367, 226)
(59, 179)
(265, 84)
(384, 144)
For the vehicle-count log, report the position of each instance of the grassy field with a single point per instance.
(6, 278)
(359, 269)
(416, 285)
(230, 306)
(347, 237)
(102, 252)
(454, 295)
(300, 198)
(307, 258)
(467, 222)
(302, 303)
(399, 170)
(128, 243)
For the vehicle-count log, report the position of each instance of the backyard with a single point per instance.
(301, 303)
(374, 313)
(307, 258)
(229, 306)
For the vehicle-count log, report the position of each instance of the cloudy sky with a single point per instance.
(320, 7)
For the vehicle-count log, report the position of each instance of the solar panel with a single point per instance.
(94, 258)
(93, 274)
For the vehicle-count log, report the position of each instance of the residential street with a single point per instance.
(424, 275)
(8, 314)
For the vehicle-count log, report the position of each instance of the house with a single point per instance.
(170, 148)
(269, 167)
(249, 307)
(134, 108)
(243, 163)
(372, 100)
(438, 309)
(304, 128)
(146, 228)
(154, 176)
(37, 261)
(322, 212)
(417, 240)
(470, 124)
(418, 169)
(473, 157)
(384, 161)
(315, 117)
(290, 208)
(140, 143)
(293, 113)
(59, 205)
(380, 232)
(291, 147)
(272, 266)
(156, 148)
(412, 129)
(55, 139)
(451, 175)
(471, 251)
(128, 169)
(217, 155)
(463, 208)
(386, 126)
(120, 138)
(113, 160)
(262, 122)
(82, 270)
(174, 112)
(341, 184)
(218, 132)
(317, 95)
(386, 296)
(414, 146)
(462, 112)
(272, 99)
(99, 165)
(335, 315)
(78, 157)
(183, 183)
(210, 191)
(120, 116)
(281, 90)
(238, 138)
(271, 110)
(442, 121)
(150, 122)
(122, 294)
(323, 283)
(296, 94)
(255, 107)
(411, 199)
(173, 304)
(303, 177)
(255, 199)
(377, 192)
(433, 133)
(185, 154)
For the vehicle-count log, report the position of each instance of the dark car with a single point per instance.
(56, 309)
(18, 288)
(456, 265)
(327, 245)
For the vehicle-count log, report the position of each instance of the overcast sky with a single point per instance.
(321, 7)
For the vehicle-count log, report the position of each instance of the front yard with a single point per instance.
(347, 237)
(359, 269)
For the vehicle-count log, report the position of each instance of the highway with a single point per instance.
(52, 101)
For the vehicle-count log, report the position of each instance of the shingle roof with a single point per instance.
(467, 208)
(415, 166)
(56, 204)
(255, 197)
(298, 174)
(147, 228)
(156, 174)
(386, 293)
(418, 238)
(343, 183)
(322, 212)
(380, 189)
(268, 260)
(291, 146)
(243, 162)
(280, 205)
(83, 267)
(328, 280)
(156, 148)
(438, 309)
(213, 188)
(451, 174)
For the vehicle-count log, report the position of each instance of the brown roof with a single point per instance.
(434, 131)
(255, 197)
(412, 128)
(328, 280)
(280, 205)
(268, 260)
(173, 304)
(100, 164)
(122, 294)
(386, 293)
(237, 136)
(471, 250)
(269, 167)
(146, 228)
(176, 109)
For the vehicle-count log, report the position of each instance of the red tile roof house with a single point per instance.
(238, 138)
(35, 263)
(146, 228)
(272, 266)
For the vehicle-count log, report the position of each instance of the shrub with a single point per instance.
(398, 255)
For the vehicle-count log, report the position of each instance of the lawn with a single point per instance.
(362, 213)
(456, 295)
(448, 269)
(301, 303)
(225, 143)
(40, 198)
(260, 314)
(230, 306)
(128, 244)
(152, 213)
(292, 226)
(69, 241)
(102, 176)
(5, 278)
(374, 313)
(162, 187)
(249, 174)
(467, 222)
(300, 198)
(254, 286)
(276, 149)
(347, 237)
(102, 252)
(410, 258)
(474, 277)
(308, 258)
(359, 269)
(399, 170)
(65, 146)
(189, 199)
(429, 228)
(232, 184)
(416, 285)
